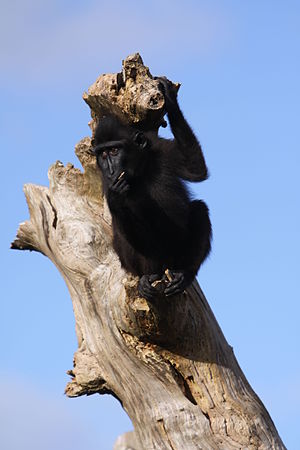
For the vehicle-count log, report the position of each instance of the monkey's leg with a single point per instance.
(197, 249)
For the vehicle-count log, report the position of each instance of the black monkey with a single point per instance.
(156, 226)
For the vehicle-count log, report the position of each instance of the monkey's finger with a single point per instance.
(120, 186)
(175, 286)
(171, 289)
(118, 182)
(145, 289)
(146, 293)
(167, 87)
(148, 286)
(162, 84)
(123, 189)
(123, 183)
(144, 283)
(154, 277)
(176, 292)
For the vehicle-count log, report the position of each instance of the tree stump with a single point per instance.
(167, 361)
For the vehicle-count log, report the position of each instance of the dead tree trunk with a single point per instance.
(167, 362)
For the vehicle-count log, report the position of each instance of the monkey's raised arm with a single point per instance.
(187, 152)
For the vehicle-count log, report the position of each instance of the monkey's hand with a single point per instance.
(117, 191)
(145, 287)
(180, 280)
(119, 185)
(169, 91)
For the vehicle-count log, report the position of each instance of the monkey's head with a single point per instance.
(119, 149)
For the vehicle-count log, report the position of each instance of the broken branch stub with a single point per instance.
(167, 361)
(132, 94)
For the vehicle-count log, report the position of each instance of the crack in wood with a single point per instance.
(162, 424)
(45, 224)
(208, 418)
(183, 385)
(54, 223)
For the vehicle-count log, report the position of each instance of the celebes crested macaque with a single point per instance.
(157, 228)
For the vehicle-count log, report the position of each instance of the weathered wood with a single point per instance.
(132, 95)
(167, 362)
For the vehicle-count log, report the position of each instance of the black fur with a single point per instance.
(156, 226)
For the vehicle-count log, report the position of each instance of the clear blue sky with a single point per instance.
(238, 62)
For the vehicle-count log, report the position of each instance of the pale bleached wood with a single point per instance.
(167, 362)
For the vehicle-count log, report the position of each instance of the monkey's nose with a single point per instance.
(110, 167)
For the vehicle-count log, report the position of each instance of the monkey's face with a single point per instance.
(111, 162)
(126, 156)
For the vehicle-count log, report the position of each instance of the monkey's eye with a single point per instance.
(114, 151)
(104, 155)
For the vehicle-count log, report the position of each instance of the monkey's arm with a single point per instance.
(190, 162)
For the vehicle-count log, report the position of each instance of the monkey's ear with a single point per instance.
(140, 139)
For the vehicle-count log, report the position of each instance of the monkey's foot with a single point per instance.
(180, 280)
(145, 287)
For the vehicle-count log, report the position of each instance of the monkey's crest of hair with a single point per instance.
(110, 128)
